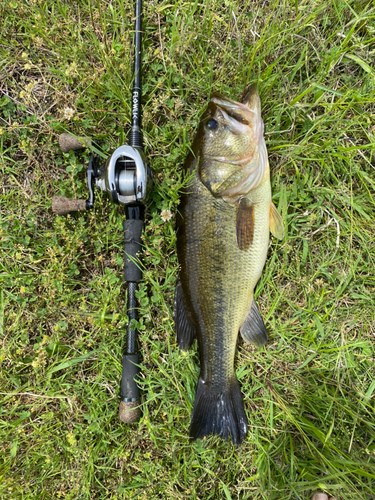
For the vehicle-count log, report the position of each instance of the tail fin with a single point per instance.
(219, 410)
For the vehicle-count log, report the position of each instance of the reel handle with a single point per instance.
(63, 206)
(69, 142)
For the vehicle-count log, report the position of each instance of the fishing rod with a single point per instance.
(125, 177)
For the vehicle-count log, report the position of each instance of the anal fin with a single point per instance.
(184, 329)
(253, 329)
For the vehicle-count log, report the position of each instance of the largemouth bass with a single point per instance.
(223, 228)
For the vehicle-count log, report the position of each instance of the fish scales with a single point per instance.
(218, 272)
(219, 276)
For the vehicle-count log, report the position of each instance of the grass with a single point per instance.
(310, 394)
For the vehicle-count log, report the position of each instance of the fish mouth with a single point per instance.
(241, 117)
(236, 114)
(252, 99)
(245, 112)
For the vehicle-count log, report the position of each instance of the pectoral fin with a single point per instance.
(253, 329)
(184, 329)
(276, 223)
(245, 224)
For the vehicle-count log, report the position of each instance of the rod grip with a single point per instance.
(69, 142)
(129, 410)
(62, 205)
(133, 246)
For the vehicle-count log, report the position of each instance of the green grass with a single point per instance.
(310, 394)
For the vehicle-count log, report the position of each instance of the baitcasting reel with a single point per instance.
(124, 177)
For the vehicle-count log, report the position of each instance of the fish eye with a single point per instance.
(212, 124)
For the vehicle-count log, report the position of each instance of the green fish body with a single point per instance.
(222, 240)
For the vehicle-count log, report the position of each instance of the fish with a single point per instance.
(223, 224)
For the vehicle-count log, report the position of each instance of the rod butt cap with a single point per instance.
(129, 411)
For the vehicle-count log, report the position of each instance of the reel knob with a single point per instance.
(69, 142)
(63, 206)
